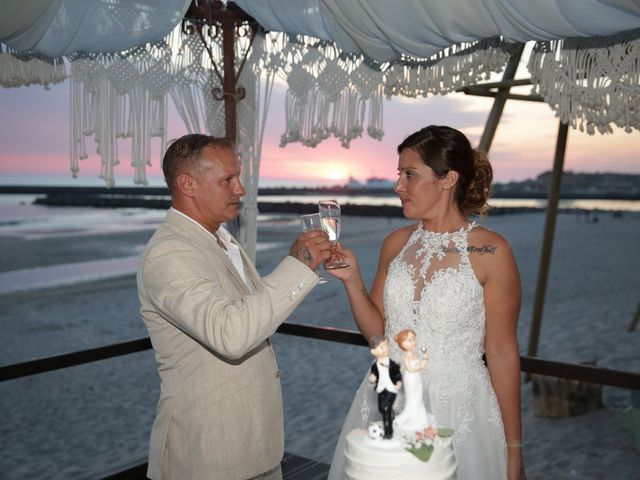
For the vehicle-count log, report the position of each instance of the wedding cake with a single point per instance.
(381, 459)
(410, 446)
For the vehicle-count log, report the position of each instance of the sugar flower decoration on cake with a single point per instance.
(421, 444)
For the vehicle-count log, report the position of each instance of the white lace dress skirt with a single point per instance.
(364, 409)
(464, 401)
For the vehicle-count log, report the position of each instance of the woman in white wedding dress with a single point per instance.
(456, 284)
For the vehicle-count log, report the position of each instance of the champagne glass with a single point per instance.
(330, 219)
(312, 222)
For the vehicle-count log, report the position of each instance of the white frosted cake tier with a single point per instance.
(369, 459)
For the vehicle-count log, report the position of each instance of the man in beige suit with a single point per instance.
(209, 316)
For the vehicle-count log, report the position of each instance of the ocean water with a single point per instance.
(21, 219)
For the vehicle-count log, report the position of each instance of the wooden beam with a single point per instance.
(212, 11)
(547, 244)
(504, 83)
(228, 17)
(478, 91)
(500, 99)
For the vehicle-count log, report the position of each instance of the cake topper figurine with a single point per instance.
(414, 416)
(385, 374)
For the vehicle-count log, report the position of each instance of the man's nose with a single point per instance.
(240, 191)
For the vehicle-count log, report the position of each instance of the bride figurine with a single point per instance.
(414, 416)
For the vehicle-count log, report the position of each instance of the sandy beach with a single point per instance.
(83, 421)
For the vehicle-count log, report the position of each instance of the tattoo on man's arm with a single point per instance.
(302, 253)
(490, 249)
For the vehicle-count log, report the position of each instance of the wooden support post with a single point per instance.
(500, 99)
(229, 78)
(547, 244)
(561, 397)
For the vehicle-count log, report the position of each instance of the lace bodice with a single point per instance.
(432, 289)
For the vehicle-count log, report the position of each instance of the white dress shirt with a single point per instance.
(232, 250)
(384, 379)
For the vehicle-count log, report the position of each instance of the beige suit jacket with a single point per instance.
(219, 415)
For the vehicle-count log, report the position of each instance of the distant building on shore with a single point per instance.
(575, 185)
(371, 183)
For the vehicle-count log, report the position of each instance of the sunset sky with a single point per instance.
(34, 142)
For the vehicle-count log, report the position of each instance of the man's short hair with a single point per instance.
(377, 340)
(184, 155)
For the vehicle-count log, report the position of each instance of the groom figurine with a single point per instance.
(385, 373)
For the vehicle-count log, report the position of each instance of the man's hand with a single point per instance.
(311, 248)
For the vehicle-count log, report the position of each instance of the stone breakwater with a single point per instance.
(135, 201)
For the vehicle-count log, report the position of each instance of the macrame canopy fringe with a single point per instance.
(122, 96)
(20, 69)
(332, 94)
(591, 83)
(252, 114)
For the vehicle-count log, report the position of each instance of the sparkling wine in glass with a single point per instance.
(331, 219)
(312, 222)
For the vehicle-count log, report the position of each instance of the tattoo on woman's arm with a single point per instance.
(490, 249)
(364, 292)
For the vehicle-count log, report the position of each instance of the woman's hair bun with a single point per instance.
(479, 189)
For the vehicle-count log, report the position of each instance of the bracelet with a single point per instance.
(515, 445)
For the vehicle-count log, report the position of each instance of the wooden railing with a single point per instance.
(585, 373)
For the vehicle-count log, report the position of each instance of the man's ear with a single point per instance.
(186, 184)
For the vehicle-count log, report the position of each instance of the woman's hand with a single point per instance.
(346, 274)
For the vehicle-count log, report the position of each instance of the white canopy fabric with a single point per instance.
(385, 30)
(380, 29)
(59, 27)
